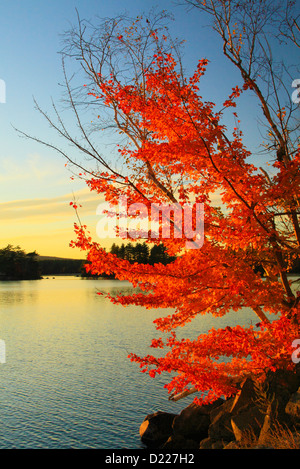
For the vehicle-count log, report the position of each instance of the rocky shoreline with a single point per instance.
(261, 415)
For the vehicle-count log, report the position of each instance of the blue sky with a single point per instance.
(35, 186)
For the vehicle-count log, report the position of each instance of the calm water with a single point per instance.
(67, 381)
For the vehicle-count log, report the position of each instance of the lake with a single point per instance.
(66, 381)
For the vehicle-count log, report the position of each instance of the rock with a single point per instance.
(282, 383)
(251, 418)
(246, 422)
(218, 445)
(275, 423)
(232, 445)
(179, 442)
(262, 447)
(193, 421)
(283, 379)
(156, 428)
(296, 439)
(282, 409)
(274, 435)
(264, 435)
(293, 407)
(220, 427)
(206, 443)
(244, 397)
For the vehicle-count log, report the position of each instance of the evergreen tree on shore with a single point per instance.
(16, 264)
(141, 253)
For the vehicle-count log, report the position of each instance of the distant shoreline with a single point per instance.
(54, 276)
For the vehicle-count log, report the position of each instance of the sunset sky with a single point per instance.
(35, 185)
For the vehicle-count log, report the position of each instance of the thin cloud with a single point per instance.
(45, 207)
(31, 166)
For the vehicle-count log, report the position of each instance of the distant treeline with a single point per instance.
(60, 266)
(140, 253)
(16, 264)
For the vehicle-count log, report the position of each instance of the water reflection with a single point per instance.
(17, 292)
(67, 381)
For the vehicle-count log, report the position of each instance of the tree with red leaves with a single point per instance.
(173, 149)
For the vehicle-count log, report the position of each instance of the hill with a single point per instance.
(54, 258)
(51, 265)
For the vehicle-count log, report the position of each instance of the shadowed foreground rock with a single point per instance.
(256, 410)
(156, 428)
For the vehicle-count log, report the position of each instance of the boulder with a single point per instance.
(206, 443)
(280, 380)
(218, 444)
(237, 416)
(254, 413)
(220, 427)
(156, 428)
(245, 397)
(293, 408)
(193, 421)
(266, 430)
(232, 445)
(282, 383)
(275, 435)
(282, 412)
(247, 421)
(178, 442)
